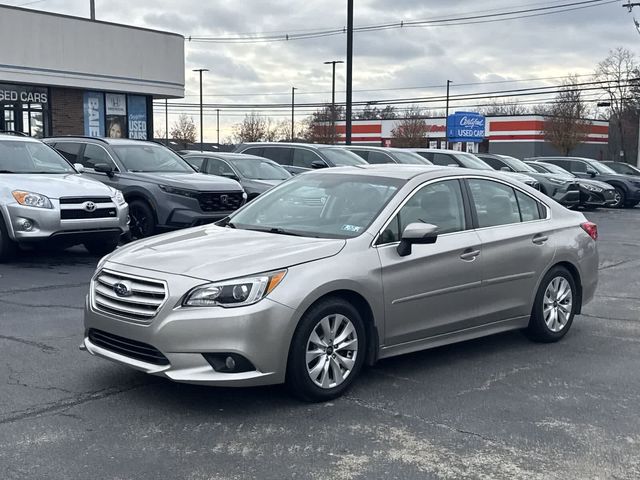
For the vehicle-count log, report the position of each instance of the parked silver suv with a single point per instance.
(43, 198)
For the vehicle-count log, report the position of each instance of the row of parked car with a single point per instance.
(97, 191)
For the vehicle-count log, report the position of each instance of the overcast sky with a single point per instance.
(546, 46)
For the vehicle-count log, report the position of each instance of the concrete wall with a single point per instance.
(523, 150)
(58, 50)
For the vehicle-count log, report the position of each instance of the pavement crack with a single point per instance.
(498, 377)
(13, 380)
(42, 346)
(389, 411)
(617, 264)
(66, 403)
(615, 319)
(29, 305)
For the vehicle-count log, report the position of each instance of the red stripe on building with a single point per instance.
(603, 129)
(515, 125)
(537, 137)
(367, 128)
(364, 139)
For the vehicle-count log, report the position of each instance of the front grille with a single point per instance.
(82, 214)
(72, 200)
(128, 348)
(220, 202)
(139, 299)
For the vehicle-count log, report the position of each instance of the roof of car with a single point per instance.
(110, 141)
(17, 138)
(404, 171)
(372, 147)
(227, 155)
(440, 150)
(289, 144)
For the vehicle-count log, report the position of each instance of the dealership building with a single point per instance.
(520, 136)
(76, 76)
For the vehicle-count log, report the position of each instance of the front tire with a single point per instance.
(143, 223)
(554, 307)
(8, 248)
(619, 197)
(327, 351)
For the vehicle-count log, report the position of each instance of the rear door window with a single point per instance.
(578, 167)
(254, 151)
(70, 151)
(364, 154)
(379, 157)
(443, 159)
(495, 203)
(281, 155)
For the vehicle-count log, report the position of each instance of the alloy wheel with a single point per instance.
(331, 352)
(557, 304)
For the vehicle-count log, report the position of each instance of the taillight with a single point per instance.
(591, 229)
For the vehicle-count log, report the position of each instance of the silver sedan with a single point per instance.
(335, 269)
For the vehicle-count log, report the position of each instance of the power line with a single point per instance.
(460, 20)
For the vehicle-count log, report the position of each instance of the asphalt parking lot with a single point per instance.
(500, 407)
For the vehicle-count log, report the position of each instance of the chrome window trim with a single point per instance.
(458, 177)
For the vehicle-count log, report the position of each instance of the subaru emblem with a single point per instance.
(122, 289)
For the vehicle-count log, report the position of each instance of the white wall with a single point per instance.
(55, 50)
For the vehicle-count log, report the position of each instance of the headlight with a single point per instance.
(234, 293)
(119, 198)
(592, 188)
(557, 181)
(179, 191)
(30, 199)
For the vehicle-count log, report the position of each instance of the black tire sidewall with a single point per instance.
(537, 326)
(7, 246)
(141, 205)
(298, 379)
(623, 198)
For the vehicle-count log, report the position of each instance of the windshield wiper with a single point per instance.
(276, 230)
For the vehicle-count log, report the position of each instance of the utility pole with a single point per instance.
(200, 70)
(166, 121)
(293, 113)
(349, 70)
(333, 98)
(218, 125)
(629, 6)
(92, 9)
(449, 82)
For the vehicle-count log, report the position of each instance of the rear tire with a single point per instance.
(554, 307)
(327, 351)
(143, 220)
(8, 248)
(102, 246)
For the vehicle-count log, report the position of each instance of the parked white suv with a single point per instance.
(43, 198)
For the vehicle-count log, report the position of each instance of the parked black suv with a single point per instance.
(627, 187)
(301, 157)
(162, 189)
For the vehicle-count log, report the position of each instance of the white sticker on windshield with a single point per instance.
(351, 228)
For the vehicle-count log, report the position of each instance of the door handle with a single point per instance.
(540, 239)
(469, 254)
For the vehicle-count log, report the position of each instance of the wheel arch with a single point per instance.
(575, 274)
(133, 195)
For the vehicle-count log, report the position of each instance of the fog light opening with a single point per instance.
(228, 362)
(25, 225)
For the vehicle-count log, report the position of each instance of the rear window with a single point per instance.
(281, 155)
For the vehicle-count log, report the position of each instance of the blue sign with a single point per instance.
(93, 114)
(466, 127)
(137, 110)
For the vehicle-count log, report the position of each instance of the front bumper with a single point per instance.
(47, 225)
(589, 198)
(568, 198)
(180, 218)
(261, 333)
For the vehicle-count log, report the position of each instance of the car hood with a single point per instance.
(217, 253)
(595, 183)
(522, 177)
(56, 185)
(545, 177)
(192, 181)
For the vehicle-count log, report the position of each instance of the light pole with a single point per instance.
(218, 125)
(333, 97)
(200, 70)
(293, 113)
(166, 121)
(349, 99)
(92, 9)
(449, 82)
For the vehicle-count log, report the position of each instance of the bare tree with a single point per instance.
(564, 125)
(184, 130)
(321, 128)
(504, 107)
(253, 128)
(410, 131)
(618, 74)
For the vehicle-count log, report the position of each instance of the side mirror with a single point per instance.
(591, 173)
(104, 168)
(505, 169)
(79, 167)
(418, 234)
(232, 176)
(316, 164)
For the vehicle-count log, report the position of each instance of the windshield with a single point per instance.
(601, 167)
(410, 158)
(151, 158)
(471, 161)
(31, 157)
(516, 164)
(551, 168)
(259, 169)
(323, 205)
(342, 158)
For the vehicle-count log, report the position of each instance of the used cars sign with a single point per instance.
(466, 127)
